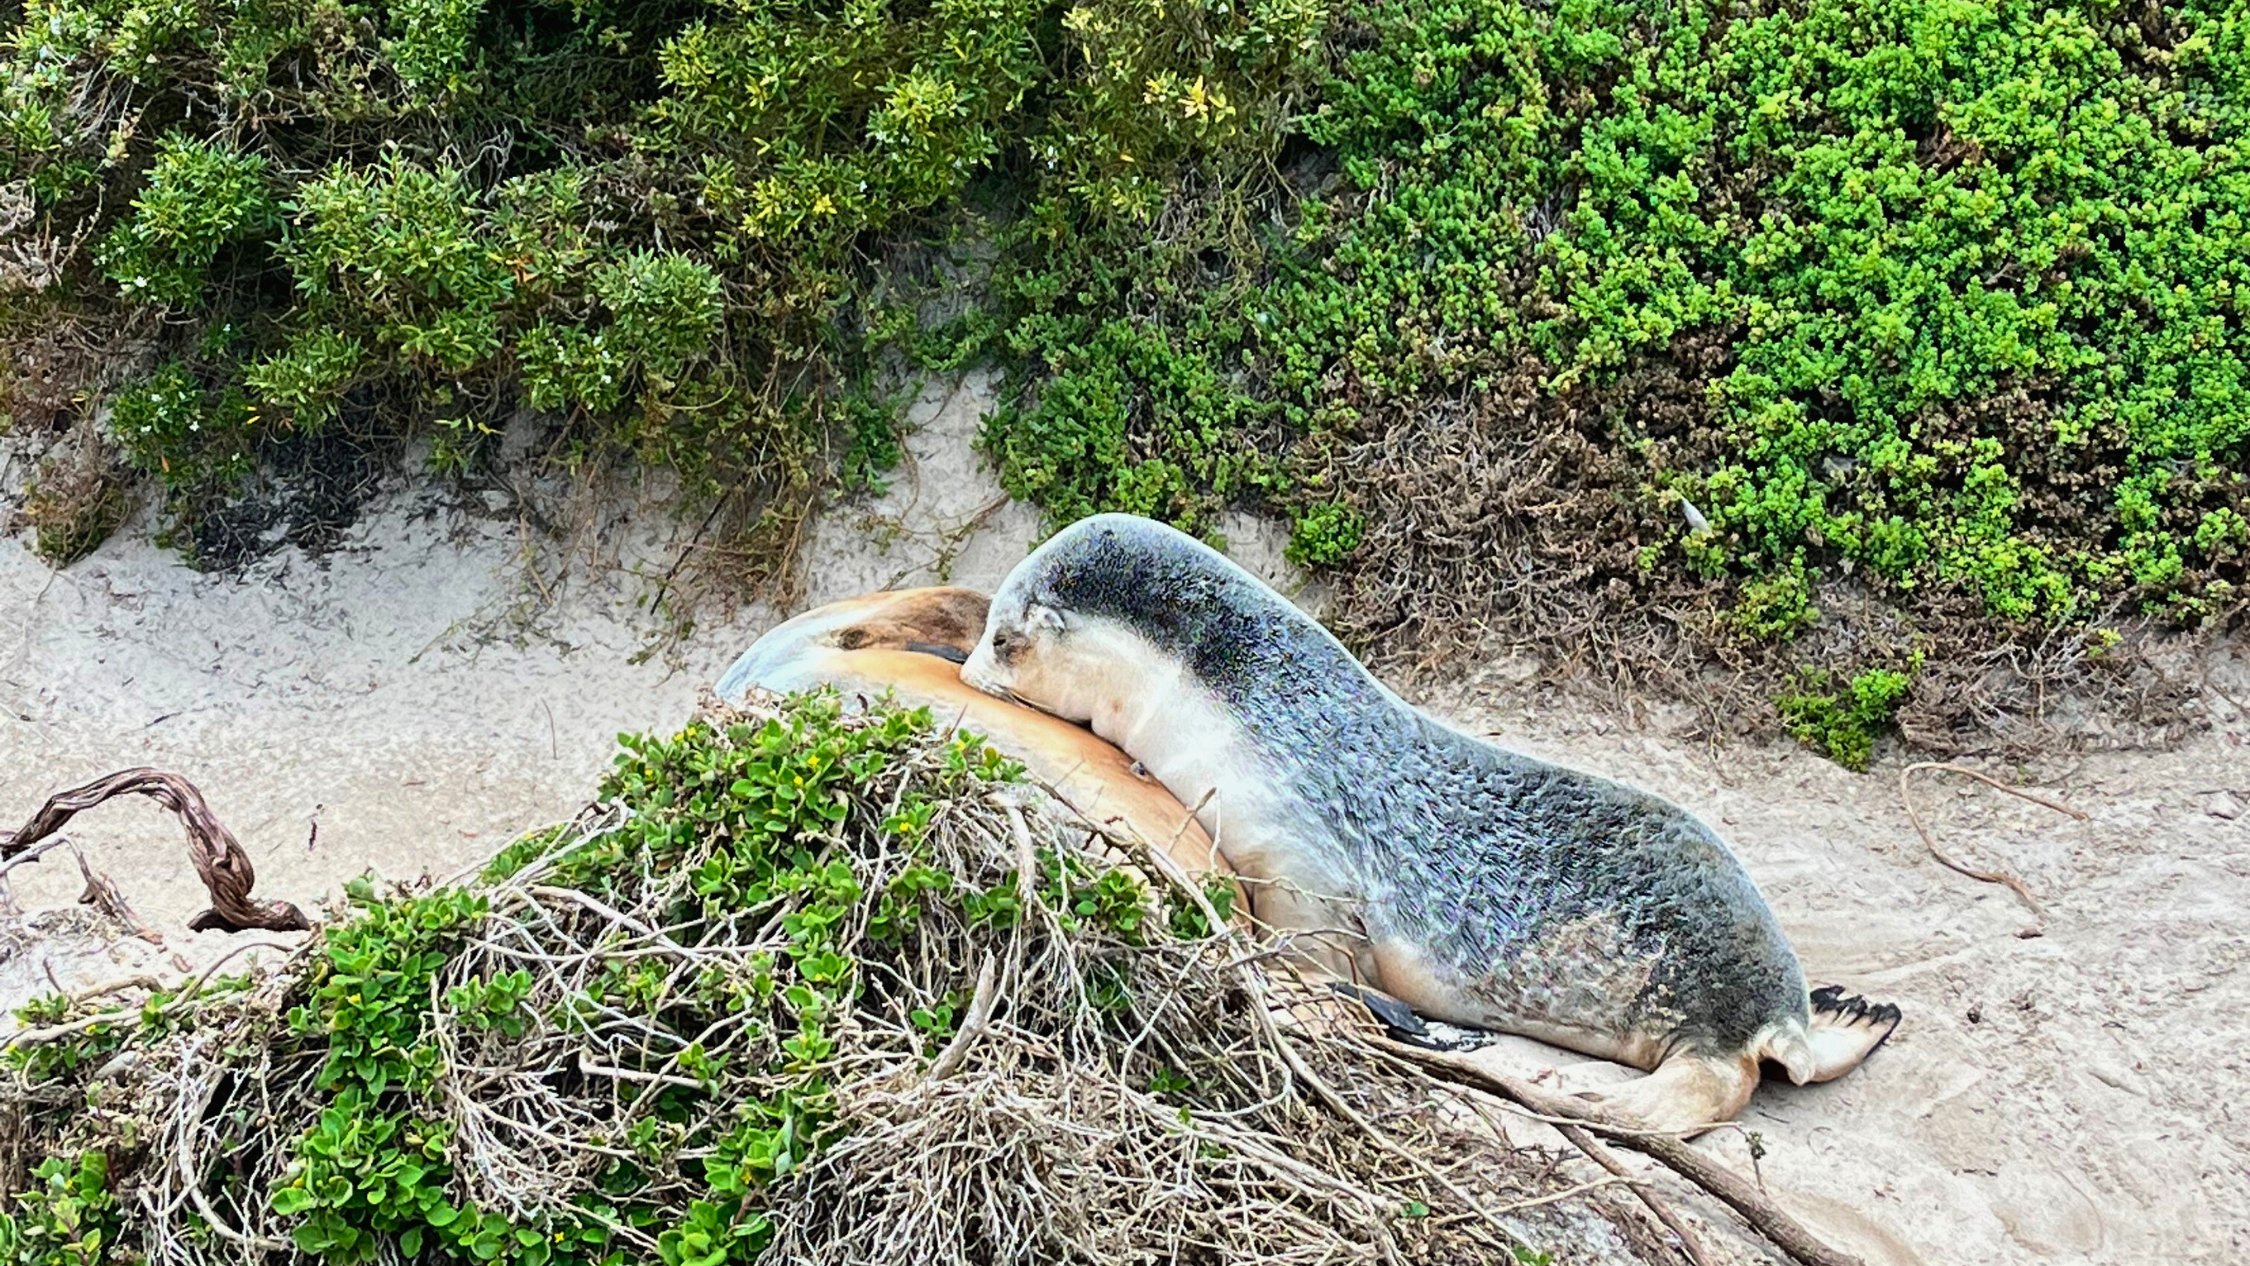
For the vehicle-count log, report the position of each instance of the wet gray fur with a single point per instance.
(1485, 857)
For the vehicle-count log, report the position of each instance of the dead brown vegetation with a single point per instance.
(1515, 518)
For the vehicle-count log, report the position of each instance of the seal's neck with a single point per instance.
(1189, 740)
(1167, 720)
(1151, 705)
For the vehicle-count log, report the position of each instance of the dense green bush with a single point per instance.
(1843, 718)
(1943, 296)
(1980, 266)
(651, 221)
(199, 199)
(1939, 298)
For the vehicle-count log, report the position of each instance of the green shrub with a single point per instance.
(652, 221)
(172, 426)
(69, 1218)
(429, 45)
(308, 378)
(1778, 606)
(1972, 263)
(664, 309)
(1325, 535)
(404, 250)
(200, 198)
(1844, 723)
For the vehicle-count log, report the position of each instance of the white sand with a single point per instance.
(422, 696)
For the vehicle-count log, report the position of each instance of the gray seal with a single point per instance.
(1479, 886)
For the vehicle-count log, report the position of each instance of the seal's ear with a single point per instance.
(1043, 619)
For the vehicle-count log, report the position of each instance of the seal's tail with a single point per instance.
(1789, 1043)
(1844, 1029)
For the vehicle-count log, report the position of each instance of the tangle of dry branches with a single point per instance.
(1112, 1091)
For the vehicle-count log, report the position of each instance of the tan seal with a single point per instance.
(909, 643)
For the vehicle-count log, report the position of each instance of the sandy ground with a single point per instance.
(439, 685)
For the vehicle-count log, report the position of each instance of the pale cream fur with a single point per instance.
(1101, 673)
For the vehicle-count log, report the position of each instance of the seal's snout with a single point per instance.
(982, 671)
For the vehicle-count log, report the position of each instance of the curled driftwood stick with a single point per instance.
(1764, 1216)
(219, 858)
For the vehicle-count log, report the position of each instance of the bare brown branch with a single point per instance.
(219, 858)
(2013, 884)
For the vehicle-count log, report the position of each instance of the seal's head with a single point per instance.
(1106, 608)
(1116, 606)
(1069, 663)
(803, 652)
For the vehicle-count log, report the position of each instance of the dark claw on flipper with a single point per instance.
(1407, 1027)
(1831, 1000)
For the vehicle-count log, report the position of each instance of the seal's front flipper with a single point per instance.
(1405, 1026)
(1395, 1015)
(1846, 1029)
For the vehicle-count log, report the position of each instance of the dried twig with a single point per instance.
(190, 1165)
(972, 1026)
(1758, 1210)
(35, 852)
(1906, 797)
(1663, 1212)
(128, 1019)
(103, 894)
(219, 858)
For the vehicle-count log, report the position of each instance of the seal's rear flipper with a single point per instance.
(1846, 1029)
(1686, 1095)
